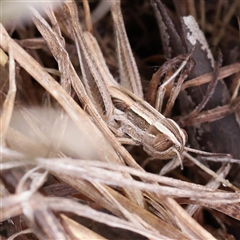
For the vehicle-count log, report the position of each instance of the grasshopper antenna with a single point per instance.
(207, 153)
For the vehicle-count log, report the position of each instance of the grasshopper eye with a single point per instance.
(162, 142)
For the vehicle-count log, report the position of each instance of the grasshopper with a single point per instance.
(132, 119)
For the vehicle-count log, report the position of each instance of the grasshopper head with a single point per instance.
(164, 139)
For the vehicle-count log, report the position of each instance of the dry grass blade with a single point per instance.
(20, 233)
(3, 58)
(223, 73)
(168, 89)
(96, 54)
(232, 210)
(78, 231)
(209, 116)
(92, 75)
(156, 78)
(8, 104)
(212, 173)
(84, 170)
(129, 76)
(169, 33)
(164, 228)
(228, 15)
(64, 68)
(187, 224)
(59, 204)
(41, 219)
(21, 144)
(235, 86)
(213, 184)
(87, 15)
(91, 170)
(210, 90)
